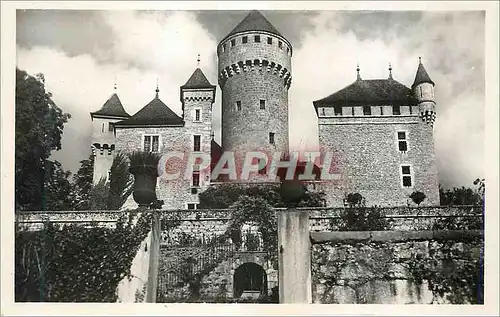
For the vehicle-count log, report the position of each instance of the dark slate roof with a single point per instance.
(198, 80)
(154, 113)
(112, 107)
(422, 76)
(254, 21)
(369, 92)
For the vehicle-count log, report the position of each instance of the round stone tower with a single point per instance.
(254, 76)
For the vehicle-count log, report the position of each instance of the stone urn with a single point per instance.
(291, 192)
(144, 167)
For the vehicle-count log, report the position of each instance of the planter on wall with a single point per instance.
(144, 167)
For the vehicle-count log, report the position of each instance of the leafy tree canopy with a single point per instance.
(38, 131)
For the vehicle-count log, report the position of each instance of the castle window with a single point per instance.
(233, 42)
(110, 128)
(287, 49)
(271, 138)
(197, 142)
(238, 105)
(406, 177)
(196, 179)
(244, 39)
(411, 109)
(323, 112)
(257, 38)
(421, 94)
(367, 110)
(197, 114)
(402, 141)
(223, 47)
(262, 104)
(192, 206)
(396, 110)
(337, 110)
(269, 40)
(151, 143)
(352, 111)
(381, 111)
(102, 128)
(280, 44)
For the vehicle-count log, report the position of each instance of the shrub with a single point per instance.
(418, 197)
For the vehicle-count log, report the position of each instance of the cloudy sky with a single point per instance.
(82, 53)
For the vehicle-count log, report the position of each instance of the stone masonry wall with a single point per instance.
(367, 157)
(387, 273)
(175, 193)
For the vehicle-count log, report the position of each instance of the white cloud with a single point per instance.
(147, 46)
(450, 44)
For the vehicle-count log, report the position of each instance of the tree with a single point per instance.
(99, 195)
(226, 195)
(418, 197)
(120, 182)
(38, 131)
(82, 182)
(58, 189)
(459, 196)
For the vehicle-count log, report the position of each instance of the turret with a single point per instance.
(423, 91)
(103, 135)
(254, 76)
(197, 97)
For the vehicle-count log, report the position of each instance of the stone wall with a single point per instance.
(366, 155)
(388, 273)
(175, 193)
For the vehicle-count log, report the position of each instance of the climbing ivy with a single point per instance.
(454, 271)
(74, 263)
(260, 212)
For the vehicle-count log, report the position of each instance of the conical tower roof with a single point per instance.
(197, 80)
(422, 76)
(112, 108)
(254, 21)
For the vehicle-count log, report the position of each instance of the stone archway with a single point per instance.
(249, 280)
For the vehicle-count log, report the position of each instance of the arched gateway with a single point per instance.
(250, 280)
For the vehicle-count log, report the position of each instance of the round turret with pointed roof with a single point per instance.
(254, 75)
(421, 76)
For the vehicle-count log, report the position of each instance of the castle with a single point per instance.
(379, 133)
